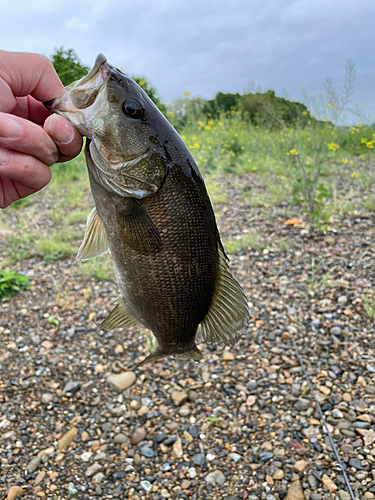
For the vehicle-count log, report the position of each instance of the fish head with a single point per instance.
(123, 125)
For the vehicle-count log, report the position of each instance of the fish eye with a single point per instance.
(132, 111)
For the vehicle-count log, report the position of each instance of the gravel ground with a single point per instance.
(77, 423)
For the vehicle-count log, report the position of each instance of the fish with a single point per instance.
(153, 213)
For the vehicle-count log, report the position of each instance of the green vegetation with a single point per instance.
(12, 283)
(68, 66)
(101, 267)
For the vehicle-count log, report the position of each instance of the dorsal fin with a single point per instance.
(228, 316)
(119, 317)
(95, 241)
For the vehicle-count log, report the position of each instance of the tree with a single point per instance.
(68, 65)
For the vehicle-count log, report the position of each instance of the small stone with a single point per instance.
(369, 494)
(138, 436)
(93, 469)
(120, 438)
(169, 441)
(47, 397)
(185, 484)
(71, 387)
(235, 457)
(295, 491)
(278, 474)
(347, 397)
(147, 451)
(72, 490)
(337, 413)
(228, 356)
(216, 478)
(264, 456)
(177, 448)
(39, 478)
(192, 472)
(328, 483)
(99, 368)
(121, 381)
(34, 464)
(67, 438)
(165, 493)
(179, 397)
(160, 436)
(119, 349)
(335, 330)
(14, 492)
(251, 400)
(368, 436)
(98, 478)
(184, 411)
(301, 404)
(199, 459)
(146, 485)
(300, 465)
(84, 436)
(85, 457)
(343, 495)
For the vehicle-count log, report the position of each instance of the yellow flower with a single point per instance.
(359, 125)
(362, 157)
(187, 94)
(345, 161)
(333, 147)
(201, 124)
(141, 83)
(304, 113)
(207, 127)
(183, 137)
(363, 140)
(210, 123)
(196, 145)
(370, 145)
(221, 124)
(293, 152)
(355, 174)
(351, 163)
(171, 113)
(254, 168)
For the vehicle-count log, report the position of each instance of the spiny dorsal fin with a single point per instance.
(119, 317)
(228, 316)
(95, 241)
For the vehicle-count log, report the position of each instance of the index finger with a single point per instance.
(23, 74)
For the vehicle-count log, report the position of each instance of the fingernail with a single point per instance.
(4, 157)
(9, 127)
(62, 131)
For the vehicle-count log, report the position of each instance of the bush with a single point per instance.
(11, 283)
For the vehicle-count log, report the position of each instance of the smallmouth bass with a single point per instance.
(153, 213)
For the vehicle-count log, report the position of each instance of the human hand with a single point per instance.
(31, 139)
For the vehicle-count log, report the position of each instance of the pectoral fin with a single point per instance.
(95, 241)
(228, 316)
(119, 317)
(138, 229)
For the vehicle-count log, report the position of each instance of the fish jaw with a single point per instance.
(84, 98)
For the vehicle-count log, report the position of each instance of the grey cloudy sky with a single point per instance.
(207, 46)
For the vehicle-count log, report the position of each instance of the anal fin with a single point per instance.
(228, 316)
(119, 317)
(95, 241)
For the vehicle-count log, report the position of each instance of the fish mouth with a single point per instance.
(82, 95)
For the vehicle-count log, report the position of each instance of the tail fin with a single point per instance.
(195, 354)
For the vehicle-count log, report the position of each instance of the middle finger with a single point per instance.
(24, 136)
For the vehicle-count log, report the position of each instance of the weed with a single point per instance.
(101, 267)
(244, 242)
(314, 284)
(370, 307)
(213, 420)
(12, 283)
(150, 341)
(77, 216)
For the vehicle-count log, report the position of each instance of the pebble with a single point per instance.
(39, 478)
(235, 457)
(146, 485)
(177, 448)
(335, 330)
(71, 387)
(120, 439)
(328, 483)
(34, 464)
(216, 478)
(138, 436)
(67, 438)
(300, 465)
(337, 413)
(14, 492)
(199, 459)
(85, 457)
(295, 491)
(228, 356)
(147, 451)
(192, 472)
(278, 474)
(93, 469)
(184, 411)
(179, 397)
(72, 490)
(121, 381)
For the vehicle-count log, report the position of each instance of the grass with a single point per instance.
(57, 245)
(255, 241)
(101, 268)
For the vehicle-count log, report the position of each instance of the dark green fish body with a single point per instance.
(154, 214)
